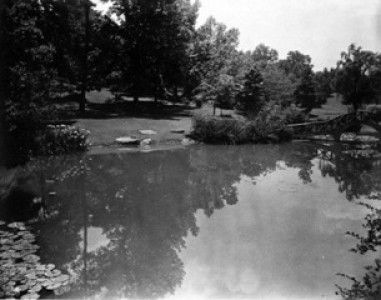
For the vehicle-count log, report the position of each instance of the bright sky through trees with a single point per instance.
(322, 29)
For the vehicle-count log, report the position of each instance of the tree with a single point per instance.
(68, 26)
(264, 55)
(355, 73)
(155, 38)
(277, 85)
(305, 95)
(3, 83)
(225, 91)
(298, 66)
(30, 76)
(323, 81)
(296, 63)
(250, 99)
(212, 53)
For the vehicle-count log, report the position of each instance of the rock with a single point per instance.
(273, 138)
(366, 139)
(322, 137)
(352, 137)
(178, 131)
(147, 132)
(146, 142)
(187, 142)
(348, 137)
(127, 141)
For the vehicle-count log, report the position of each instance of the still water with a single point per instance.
(205, 222)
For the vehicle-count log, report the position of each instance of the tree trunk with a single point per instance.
(3, 87)
(82, 103)
(176, 93)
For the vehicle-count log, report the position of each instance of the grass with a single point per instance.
(332, 109)
(103, 132)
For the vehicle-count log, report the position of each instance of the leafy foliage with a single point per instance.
(63, 139)
(357, 71)
(250, 99)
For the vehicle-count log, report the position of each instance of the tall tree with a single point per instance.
(298, 66)
(156, 36)
(263, 55)
(277, 85)
(356, 71)
(323, 81)
(212, 54)
(250, 99)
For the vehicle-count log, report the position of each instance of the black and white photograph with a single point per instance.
(190, 149)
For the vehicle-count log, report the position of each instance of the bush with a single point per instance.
(267, 127)
(271, 123)
(59, 139)
(221, 131)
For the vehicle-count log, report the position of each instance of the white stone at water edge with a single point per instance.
(147, 132)
(146, 142)
(127, 141)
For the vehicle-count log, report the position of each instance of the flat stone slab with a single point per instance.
(147, 132)
(146, 142)
(179, 131)
(127, 141)
(187, 142)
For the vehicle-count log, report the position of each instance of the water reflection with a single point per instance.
(120, 223)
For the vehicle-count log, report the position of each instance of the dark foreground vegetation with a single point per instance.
(54, 51)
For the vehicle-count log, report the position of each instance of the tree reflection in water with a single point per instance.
(358, 174)
(145, 206)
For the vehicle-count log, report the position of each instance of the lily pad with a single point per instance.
(36, 288)
(53, 286)
(31, 258)
(31, 296)
(56, 272)
(17, 225)
(62, 290)
(62, 278)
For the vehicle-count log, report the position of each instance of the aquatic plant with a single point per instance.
(22, 275)
(369, 286)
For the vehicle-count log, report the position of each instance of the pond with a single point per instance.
(262, 221)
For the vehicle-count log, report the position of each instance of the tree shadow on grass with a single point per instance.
(123, 109)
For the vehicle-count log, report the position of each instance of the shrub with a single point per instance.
(270, 122)
(293, 115)
(59, 139)
(221, 131)
(267, 127)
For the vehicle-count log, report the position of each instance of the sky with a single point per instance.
(319, 28)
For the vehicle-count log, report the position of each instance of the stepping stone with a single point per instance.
(127, 141)
(179, 131)
(147, 132)
(146, 142)
(187, 142)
